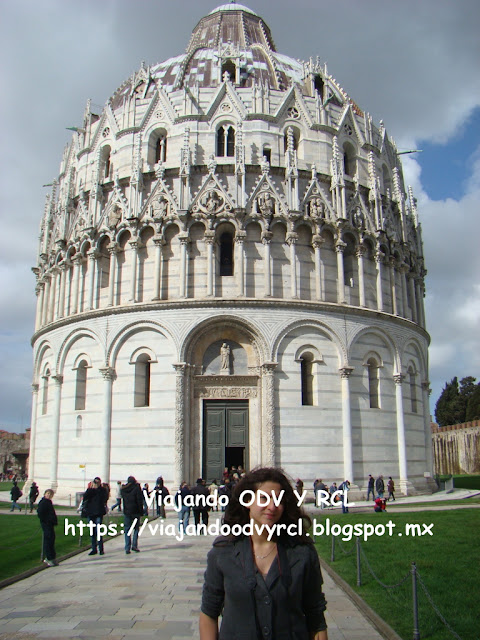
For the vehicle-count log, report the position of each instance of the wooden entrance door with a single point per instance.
(225, 436)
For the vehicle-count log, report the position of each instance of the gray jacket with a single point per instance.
(287, 605)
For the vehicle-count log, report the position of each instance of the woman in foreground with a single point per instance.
(264, 588)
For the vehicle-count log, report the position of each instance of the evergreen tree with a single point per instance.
(473, 405)
(458, 402)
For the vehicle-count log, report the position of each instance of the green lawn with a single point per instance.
(448, 563)
(21, 542)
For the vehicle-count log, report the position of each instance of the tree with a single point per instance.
(473, 406)
(458, 402)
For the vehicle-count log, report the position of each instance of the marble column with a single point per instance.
(401, 441)
(268, 439)
(379, 258)
(419, 301)
(63, 279)
(33, 432)
(40, 290)
(157, 294)
(109, 376)
(240, 261)
(112, 275)
(411, 287)
(135, 245)
(403, 277)
(180, 401)
(183, 265)
(77, 265)
(266, 240)
(347, 425)
(54, 292)
(46, 298)
(393, 285)
(292, 241)
(210, 242)
(92, 266)
(339, 249)
(317, 242)
(361, 250)
(58, 380)
(428, 430)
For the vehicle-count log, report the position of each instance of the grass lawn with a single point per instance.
(448, 563)
(21, 542)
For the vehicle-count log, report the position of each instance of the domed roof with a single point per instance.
(231, 34)
(233, 6)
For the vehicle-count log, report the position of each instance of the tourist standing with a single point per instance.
(48, 520)
(33, 495)
(183, 509)
(15, 494)
(380, 486)
(371, 487)
(94, 505)
(200, 507)
(132, 513)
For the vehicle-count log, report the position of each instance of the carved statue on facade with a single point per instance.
(160, 207)
(225, 358)
(316, 208)
(359, 218)
(266, 204)
(115, 216)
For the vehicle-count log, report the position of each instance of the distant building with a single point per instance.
(14, 449)
(456, 448)
(230, 271)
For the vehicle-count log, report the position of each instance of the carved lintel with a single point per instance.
(226, 392)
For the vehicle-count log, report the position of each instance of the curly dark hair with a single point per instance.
(236, 513)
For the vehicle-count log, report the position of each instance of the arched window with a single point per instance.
(161, 149)
(373, 383)
(267, 153)
(46, 380)
(229, 67)
(81, 386)
(225, 141)
(226, 254)
(306, 372)
(106, 165)
(318, 85)
(413, 389)
(142, 381)
(349, 261)
(349, 162)
(79, 426)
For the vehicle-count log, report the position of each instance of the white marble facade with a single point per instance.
(230, 195)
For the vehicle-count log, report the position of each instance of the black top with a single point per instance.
(287, 604)
(132, 499)
(94, 501)
(46, 512)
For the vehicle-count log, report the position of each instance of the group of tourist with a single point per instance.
(378, 486)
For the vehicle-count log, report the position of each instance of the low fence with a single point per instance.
(412, 574)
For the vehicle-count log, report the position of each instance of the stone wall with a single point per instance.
(456, 448)
(14, 449)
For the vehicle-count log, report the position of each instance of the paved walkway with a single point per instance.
(152, 594)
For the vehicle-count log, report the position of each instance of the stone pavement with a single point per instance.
(152, 594)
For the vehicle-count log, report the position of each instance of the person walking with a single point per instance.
(94, 505)
(118, 497)
(183, 509)
(213, 488)
(345, 488)
(380, 486)
(200, 507)
(15, 494)
(371, 487)
(132, 513)
(33, 495)
(48, 520)
(391, 489)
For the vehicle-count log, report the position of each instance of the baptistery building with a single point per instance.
(230, 271)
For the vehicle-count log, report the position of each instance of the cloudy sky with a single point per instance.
(412, 63)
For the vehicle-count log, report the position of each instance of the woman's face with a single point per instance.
(270, 513)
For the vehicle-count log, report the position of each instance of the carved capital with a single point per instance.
(209, 237)
(159, 241)
(345, 372)
(35, 388)
(268, 368)
(317, 241)
(379, 257)
(108, 373)
(361, 251)
(58, 379)
(399, 378)
(184, 239)
(113, 248)
(267, 237)
(340, 246)
(426, 386)
(180, 368)
(291, 238)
